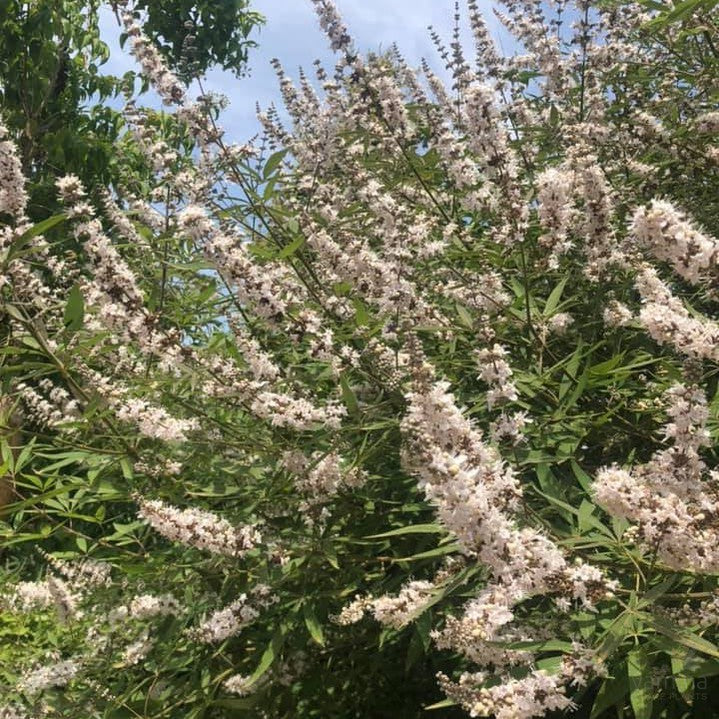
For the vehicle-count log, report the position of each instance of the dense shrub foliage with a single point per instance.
(411, 410)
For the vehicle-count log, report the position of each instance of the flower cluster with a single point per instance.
(56, 674)
(226, 622)
(155, 422)
(198, 528)
(154, 67)
(496, 372)
(668, 321)
(531, 696)
(669, 237)
(673, 507)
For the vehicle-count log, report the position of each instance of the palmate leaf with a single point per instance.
(586, 409)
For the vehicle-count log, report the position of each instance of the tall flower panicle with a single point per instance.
(152, 63)
(13, 197)
(392, 611)
(332, 24)
(155, 422)
(496, 372)
(198, 528)
(667, 320)
(707, 122)
(555, 189)
(533, 696)
(226, 622)
(147, 606)
(476, 495)
(665, 232)
(54, 674)
(672, 505)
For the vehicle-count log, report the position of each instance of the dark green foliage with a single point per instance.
(219, 30)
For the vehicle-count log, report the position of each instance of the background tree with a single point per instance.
(194, 36)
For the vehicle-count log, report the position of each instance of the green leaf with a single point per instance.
(588, 518)
(423, 626)
(679, 12)
(410, 529)
(273, 162)
(617, 631)
(685, 685)
(361, 314)
(40, 498)
(330, 554)
(290, 249)
(74, 310)
(464, 315)
(41, 227)
(683, 636)
(414, 652)
(438, 552)
(552, 487)
(585, 515)
(14, 312)
(694, 666)
(586, 622)
(268, 657)
(124, 530)
(24, 456)
(549, 645)
(553, 116)
(551, 665)
(444, 704)
(269, 189)
(571, 370)
(349, 397)
(655, 592)
(641, 691)
(582, 477)
(313, 626)
(555, 295)
(127, 471)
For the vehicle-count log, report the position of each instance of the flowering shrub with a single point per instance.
(415, 413)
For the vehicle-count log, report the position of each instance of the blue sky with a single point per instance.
(292, 35)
